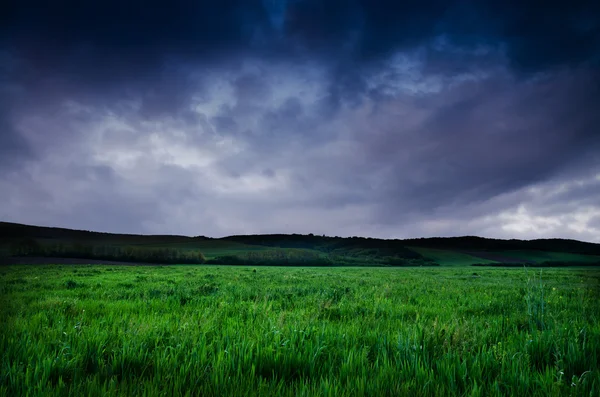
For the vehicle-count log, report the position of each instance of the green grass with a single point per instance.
(545, 256)
(202, 330)
(449, 258)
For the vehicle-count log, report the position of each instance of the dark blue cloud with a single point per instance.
(535, 34)
(136, 28)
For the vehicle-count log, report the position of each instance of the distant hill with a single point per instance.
(293, 249)
(11, 231)
(490, 244)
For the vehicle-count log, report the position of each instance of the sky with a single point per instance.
(339, 117)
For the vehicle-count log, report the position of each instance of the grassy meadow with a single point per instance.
(298, 331)
(450, 258)
(542, 256)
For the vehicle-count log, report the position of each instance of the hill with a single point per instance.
(18, 240)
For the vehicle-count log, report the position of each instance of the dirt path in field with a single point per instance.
(17, 260)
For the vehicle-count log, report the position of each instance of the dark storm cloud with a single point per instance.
(13, 146)
(108, 37)
(130, 46)
(390, 118)
(104, 53)
(460, 37)
(487, 138)
(536, 36)
(137, 29)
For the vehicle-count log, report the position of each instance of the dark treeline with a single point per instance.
(274, 257)
(474, 243)
(355, 246)
(331, 245)
(298, 257)
(16, 231)
(30, 247)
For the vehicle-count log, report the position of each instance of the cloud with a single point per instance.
(13, 146)
(567, 209)
(347, 118)
(594, 224)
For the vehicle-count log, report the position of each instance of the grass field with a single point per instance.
(449, 258)
(544, 256)
(236, 331)
(453, 258)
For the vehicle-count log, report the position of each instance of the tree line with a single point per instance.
(270, 257)
(299, 257)
(30, 247)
